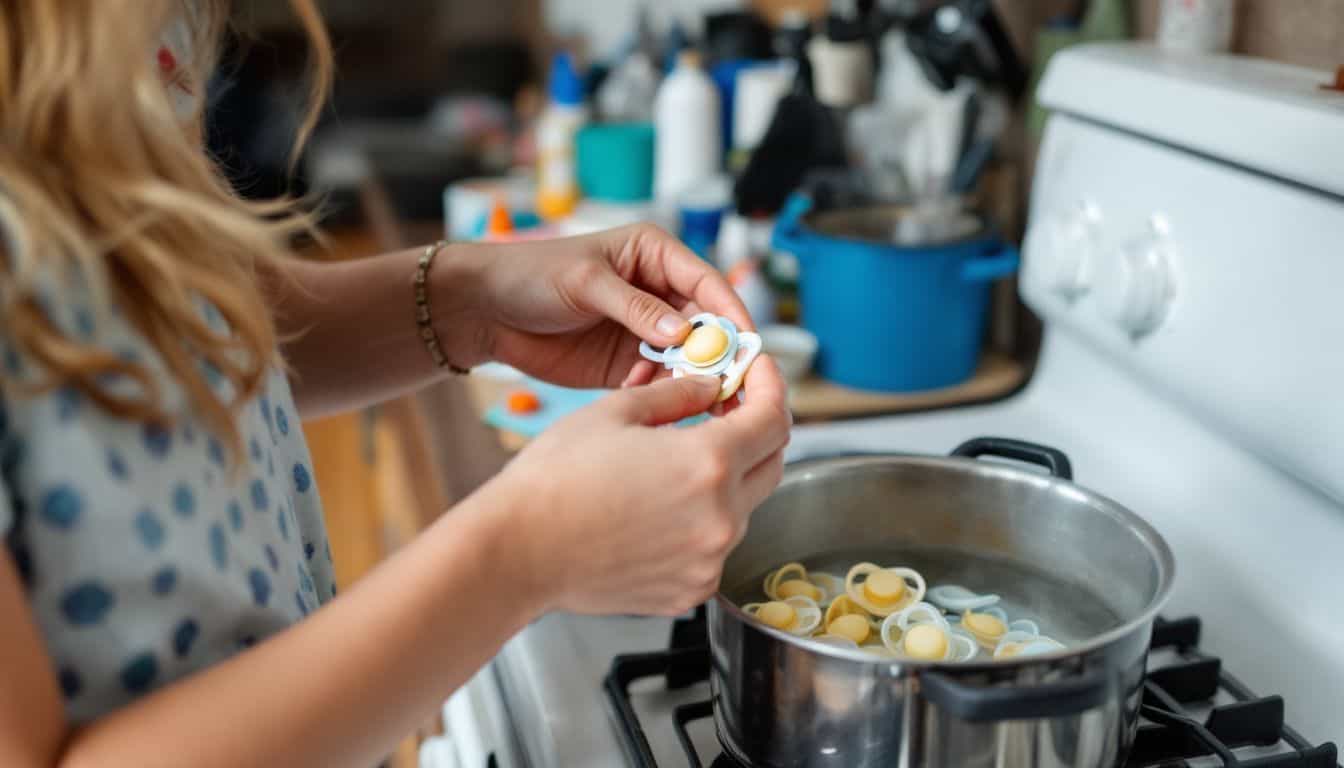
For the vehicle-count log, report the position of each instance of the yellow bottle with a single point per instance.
(557, 175)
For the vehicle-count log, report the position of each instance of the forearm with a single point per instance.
(348, 329)
(340, 688)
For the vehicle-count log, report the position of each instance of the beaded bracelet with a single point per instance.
(422, 318)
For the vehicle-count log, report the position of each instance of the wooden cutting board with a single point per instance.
(816, 399)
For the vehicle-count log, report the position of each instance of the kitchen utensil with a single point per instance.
(842, 65)
(1091, 570)
(757, 93)
(957, 38)
(893, 316)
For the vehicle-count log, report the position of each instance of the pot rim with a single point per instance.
(1156, 544)
(985, 230)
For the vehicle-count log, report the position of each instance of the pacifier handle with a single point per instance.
(649, 353)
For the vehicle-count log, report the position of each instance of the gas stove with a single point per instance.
(1194, 712)
(1183, 254)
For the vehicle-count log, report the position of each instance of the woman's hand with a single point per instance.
(615, 515)
(573, 311)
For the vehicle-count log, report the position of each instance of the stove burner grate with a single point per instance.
(1169, 737)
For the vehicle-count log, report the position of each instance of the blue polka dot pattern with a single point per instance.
(153, 554)
(23, 563)
(265, 403)
(116, 465)
(150, 529)
(15, 451)
(261, 586)
(71, 685)
(259, 500)
(302, 480)
(61, 507)
(68, 401)
(164, 580)
(219, 550)
(185, 636)
(139, 672)
(212, 316)
(158, 441)
(213, 376)
(215, 450)
(84, 323)
(184, 501)
(86, 604)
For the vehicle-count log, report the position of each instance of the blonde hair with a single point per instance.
(101, 180)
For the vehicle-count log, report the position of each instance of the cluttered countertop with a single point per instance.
(850, 185)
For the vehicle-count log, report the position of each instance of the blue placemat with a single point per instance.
(556, 404)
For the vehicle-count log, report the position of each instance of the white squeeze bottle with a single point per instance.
(557, 176)
(689, 146)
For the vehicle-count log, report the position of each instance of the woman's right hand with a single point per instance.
(615, 515)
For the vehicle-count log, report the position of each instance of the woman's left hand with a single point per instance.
(573, 311)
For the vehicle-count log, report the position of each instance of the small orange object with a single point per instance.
(500, 223)
(523, 401)
(1338, 84)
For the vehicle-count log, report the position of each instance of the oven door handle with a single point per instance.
(995, 703)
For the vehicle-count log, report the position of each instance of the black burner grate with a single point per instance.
(1169, 737)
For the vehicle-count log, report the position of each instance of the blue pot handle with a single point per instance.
(1000, 264)
(788, 234)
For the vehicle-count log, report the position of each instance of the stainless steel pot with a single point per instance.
(1090, 571)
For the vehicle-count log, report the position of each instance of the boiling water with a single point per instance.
(1065, 610)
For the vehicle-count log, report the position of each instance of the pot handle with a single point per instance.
(1052, 459)
(787, 236)
(1001, 263)
(984, 704)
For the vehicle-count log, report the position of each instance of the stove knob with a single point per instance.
(1064, 249)
(1136, 283)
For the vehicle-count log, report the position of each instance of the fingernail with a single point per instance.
(671, 326)
(708, 382)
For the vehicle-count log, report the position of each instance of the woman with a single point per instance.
(166, 591)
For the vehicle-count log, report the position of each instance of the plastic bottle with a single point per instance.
(557, 180)
(689, 137)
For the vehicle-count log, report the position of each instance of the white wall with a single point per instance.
(606, 24)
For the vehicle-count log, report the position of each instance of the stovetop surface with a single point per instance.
(1195, 713)
(1250, 545)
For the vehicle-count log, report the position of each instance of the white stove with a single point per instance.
(1185, 254)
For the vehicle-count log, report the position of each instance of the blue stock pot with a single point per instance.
(893, 312)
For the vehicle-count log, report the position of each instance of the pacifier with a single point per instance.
(714, 348)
